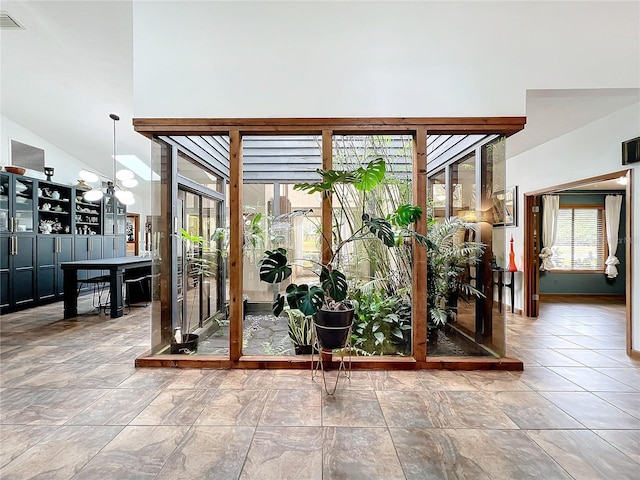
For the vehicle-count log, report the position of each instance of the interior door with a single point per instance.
(198, 295)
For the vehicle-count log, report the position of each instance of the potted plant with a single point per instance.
(448, 260)
(300, 331)
(197, 267)
(328, 299)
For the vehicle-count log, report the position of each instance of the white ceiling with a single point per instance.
(67, 71)
(72, 65)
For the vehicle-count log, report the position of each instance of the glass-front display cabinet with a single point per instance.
(16, 204)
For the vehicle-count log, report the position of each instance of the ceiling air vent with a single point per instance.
(7, 22)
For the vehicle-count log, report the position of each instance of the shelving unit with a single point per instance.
(42, 224)
(115, 216)
(88, 216)
(54, 209)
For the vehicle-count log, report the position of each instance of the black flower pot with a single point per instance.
(332, 327)
(303, 349)
(432, 337)
(188, 345)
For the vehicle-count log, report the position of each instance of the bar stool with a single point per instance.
(100, 289)
(140, 281)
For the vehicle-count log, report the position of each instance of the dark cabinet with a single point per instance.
(114, 246)
(16, 204)
(87, 248)
(55, 208)
(87, 215)
(52, 250)
(43, 224)
(17, 270)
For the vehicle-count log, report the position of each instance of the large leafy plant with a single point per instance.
(448, 260)
(332, 288)
(383, 323)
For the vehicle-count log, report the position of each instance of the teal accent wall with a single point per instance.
(589, 283)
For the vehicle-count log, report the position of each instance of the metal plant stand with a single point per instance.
(318, 364)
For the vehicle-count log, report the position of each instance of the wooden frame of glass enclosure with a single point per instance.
(235, 129)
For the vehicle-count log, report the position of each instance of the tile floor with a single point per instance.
(72, 406)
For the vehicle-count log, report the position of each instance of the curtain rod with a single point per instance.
(589, 192)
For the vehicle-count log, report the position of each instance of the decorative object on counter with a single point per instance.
(48, 171)
(512, 258)
(46, 226)
(125, 176)
(14, 169)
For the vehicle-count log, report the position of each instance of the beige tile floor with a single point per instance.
(72, 406)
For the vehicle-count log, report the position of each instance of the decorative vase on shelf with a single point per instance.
(512, 258)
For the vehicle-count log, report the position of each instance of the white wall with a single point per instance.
(306, 59)
(66, 166)
(592, 150)
(429, 58)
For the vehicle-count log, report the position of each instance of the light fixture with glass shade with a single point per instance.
(119, 190)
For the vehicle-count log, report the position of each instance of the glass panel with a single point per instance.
(463, 186)
(109, 215)
(200, 298)
(437, 196)
(379, 276)
(192, 265)
(194, 172)
(4, 202)
(493, 155)
(121, 218)
(24, 204)
(278, 216)
(464, 324)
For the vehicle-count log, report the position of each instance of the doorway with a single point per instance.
(534, 285)
(201, 278)
(133, 234)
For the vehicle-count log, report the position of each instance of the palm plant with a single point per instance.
(448, 261)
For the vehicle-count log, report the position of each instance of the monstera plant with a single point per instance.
(332, 288)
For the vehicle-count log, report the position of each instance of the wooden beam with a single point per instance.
(235, 245)
(314, 126)
(419, 273)
(304, 362)
(163, 229)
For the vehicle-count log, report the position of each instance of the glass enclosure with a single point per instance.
(279, 206)
(462, 275)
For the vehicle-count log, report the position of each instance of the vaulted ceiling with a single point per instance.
(72, 65)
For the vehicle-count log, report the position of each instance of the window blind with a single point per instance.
(580, 241)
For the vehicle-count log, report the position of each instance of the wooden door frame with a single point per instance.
(532, 246)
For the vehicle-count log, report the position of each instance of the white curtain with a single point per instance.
(612, 205)
(550, 207)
